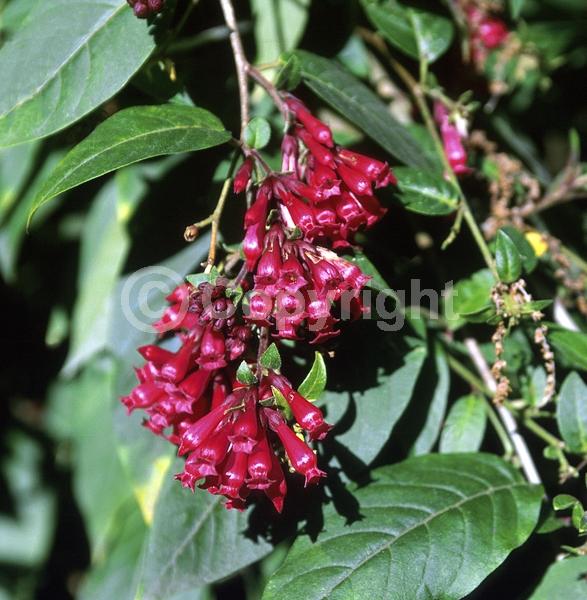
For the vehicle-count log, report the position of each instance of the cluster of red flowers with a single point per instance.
(486, 32)
(234, 432)
(146, 8)
(323, 195)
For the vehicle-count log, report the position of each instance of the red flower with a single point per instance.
(308, 416)
(243, 176)
(301, 456)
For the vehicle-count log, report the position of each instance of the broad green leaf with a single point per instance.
(571, 413)
(469, 300)
(426, 193)
(13, 232)
(419, 34)
(464, 428)
(394, 23)
(14, 14)
(433, 33)
(360, 106)
(437, 407)
(105, 243)
(100, 484)
(69, 57)
(507, 258)
(564, 579)
(290, 74)
(271, 358)
(145, 458)
(376, 409)
(527, 254)
(26, 528)
(257, 133)
(194, 541)
(279, 25)
(132, 135)
(433, 526)
(355, 57)
(315, 381)
(570, 348)
(516, 7)
(111, 575)
(15, 167)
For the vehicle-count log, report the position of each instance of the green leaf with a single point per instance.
(465, 425)
(86, 403)
(469, 299)
(196, 278)
(315, 381)
(570, 348)
(194, 541)
(132, 135)
(271, 358)
(419, 34)
(15, 167)
(578, 517)
(376, 409)
(68, 58)
(245, 375)
(360, 106)
(257, 133)
(105, 243)
(279, 25)
(14, 230)
(563, 501)
(433, 33)
(527, 254)
(426, 193)
(393, 21)
(432, 526)
(564, 579)
(571, 413)
(516, 7)
(26, 528)
(507, 258)
(112, 573)
(437, 408)
(290, 74)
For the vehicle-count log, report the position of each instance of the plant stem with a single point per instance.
(505, 415)
(477, 384)
(215, 222)
(542, 433)
(240, 62)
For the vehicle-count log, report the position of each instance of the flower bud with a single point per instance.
(243, 176)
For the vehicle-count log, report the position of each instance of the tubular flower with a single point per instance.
(452, 140)
(486, 32)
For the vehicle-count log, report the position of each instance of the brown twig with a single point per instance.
(240, 62)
